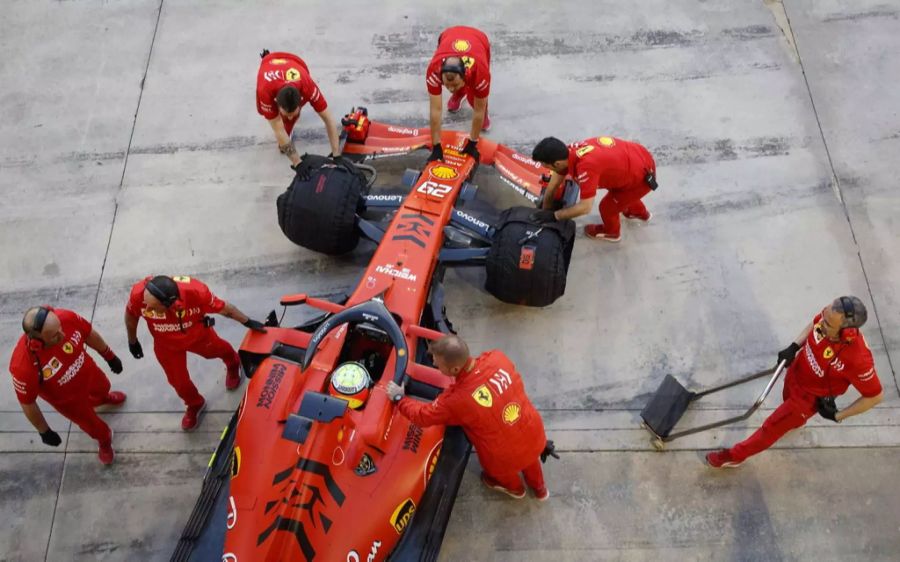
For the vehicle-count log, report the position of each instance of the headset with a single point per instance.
(35, 343)
(167, 297)
(855, 315)
(454, 68)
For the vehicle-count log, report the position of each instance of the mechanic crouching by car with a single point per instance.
(626, 169)
(176, 309)
(833, 356)
(487, 399)
(462, 64)
(283, 87)
(50, 361)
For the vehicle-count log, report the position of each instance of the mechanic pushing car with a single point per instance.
(462, 64)
(283, 87)
(626, 169)
(833, 356)
(487, 398)
(176, 309)
(50, 361)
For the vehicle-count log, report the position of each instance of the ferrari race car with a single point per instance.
(317, 463)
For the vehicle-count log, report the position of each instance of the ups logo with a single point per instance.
(403, 515)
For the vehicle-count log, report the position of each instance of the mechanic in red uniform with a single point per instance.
(283, 87)
(488, 400)
(50, 361)
(626, 169)
(833, 356)
(175, 309)
(462, 64)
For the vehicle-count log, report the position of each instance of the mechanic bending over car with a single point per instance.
(176, 309)
(487, 399)
(626, 169)
(50, 361)
(462, 64)
(283, 87)
(833, 355)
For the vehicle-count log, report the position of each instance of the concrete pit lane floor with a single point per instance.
(130, 146)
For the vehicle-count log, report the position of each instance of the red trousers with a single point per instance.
(797, 408)
(81, 411)
(534, 477)
(174, 363)
(618, 201)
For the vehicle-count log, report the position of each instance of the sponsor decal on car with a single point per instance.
(235, 462)
(231, 521)
(270, 387)
(444, 172)
(431, 462)
(413, 438)
(397, 198)
(527, 161)
(483, 396)
(403, 515)
(469, 218)
(405, 273)
(404, 131)
(353, 556)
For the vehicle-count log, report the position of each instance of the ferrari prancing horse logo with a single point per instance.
(483, 396)
(292, 75)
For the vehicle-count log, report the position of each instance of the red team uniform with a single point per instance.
(473, 47)
(619, 166)
(64, 375)
(284, 69)
(822, 368)
(490, 404)
(181, 329)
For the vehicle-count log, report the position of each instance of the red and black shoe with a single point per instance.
(642, 218)
(192, 416)
(542, 494)
(233, 378)
(597, 232)
(106, 454)
(722, 459)
(494, 485)
(114, 398)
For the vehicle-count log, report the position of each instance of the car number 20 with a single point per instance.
(435, 189)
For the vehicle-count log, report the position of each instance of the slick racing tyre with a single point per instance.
(320, 213)
(528, 262)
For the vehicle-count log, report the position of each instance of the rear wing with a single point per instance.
(372, 139)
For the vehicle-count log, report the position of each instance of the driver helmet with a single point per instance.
(351, 382)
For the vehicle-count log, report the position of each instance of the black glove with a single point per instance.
(255, 325)
(827, 408)
(437, 153)
(264, 53)
(340, 161)
(787, 354)
(136, 350)
(115, 364)
(303, 168)
(549, 451)
(51, 438)
(543, 216)
(471, 149)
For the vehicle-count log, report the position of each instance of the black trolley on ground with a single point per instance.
(671, 400)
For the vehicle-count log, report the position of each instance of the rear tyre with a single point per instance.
(320, 213)
(528, 262)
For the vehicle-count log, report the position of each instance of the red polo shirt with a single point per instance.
(608, 163)
(182, 323)
(284, 69)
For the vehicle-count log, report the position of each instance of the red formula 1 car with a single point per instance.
(317, 463)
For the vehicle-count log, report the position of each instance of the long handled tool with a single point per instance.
(671, 400)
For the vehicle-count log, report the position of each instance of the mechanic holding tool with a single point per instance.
(626, 169)
(50, 361)
(175, 309)
(487, 398)
(283, 86)
(461, 63)
(833, 355)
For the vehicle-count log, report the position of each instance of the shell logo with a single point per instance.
(444, 172)
(461, 45)
(511, 413)
(606, 141)
(47, 372)
(279, 61)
